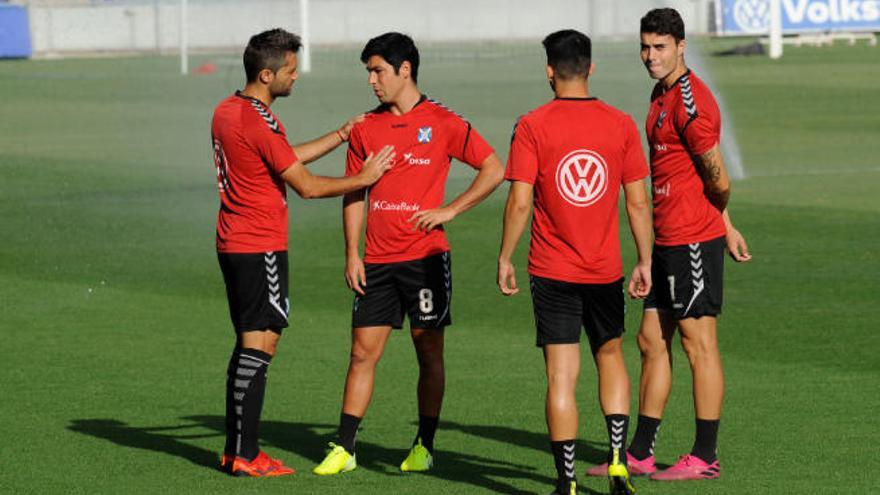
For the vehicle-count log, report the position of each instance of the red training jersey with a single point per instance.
(424, 140)
(577, 152)
(683, 122)
(250, 153)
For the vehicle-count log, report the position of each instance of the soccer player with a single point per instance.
(692, 230)
(254, 162)
(569, 159)
(406, 267)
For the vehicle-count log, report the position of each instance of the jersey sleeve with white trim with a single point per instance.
(522, 161)
(465, 143)
(698, 119)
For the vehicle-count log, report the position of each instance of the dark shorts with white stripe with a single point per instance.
(688, 279)
(421, 289)
(256, 288)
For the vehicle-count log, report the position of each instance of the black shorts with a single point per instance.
(256, 288)
(421, 288)
(562, 308)
(688, 279)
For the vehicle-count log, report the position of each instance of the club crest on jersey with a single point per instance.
(424, 135)
(582, 177)
(661, 118)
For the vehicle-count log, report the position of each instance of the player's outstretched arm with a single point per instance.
(736, 243)
(516, 215)
(310, 186)
(638, 211)
(352, 225)
(714, 174)
(316, 148)
(491, 174)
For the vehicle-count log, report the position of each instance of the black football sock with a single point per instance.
(617, 425)
(247, 385)
(427, 429)
(642, 445)
(563, 456)
(231, 432)
(347, 433)
(707, 440)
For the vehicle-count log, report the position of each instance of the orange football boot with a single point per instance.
(261, 466)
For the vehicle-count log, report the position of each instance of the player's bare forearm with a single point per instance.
(728, 223)
(491, 174)
(316, 148)
(352, 224)
(638, 210)
(516, 216)
(353, 221)
(309, 186)
(489, 177)
(715, 179)
(736, 243)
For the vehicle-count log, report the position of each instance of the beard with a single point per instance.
(282, 92)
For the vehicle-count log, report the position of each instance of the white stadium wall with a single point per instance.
(62, 26)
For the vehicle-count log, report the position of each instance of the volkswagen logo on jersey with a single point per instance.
(424, 135)
(752, 16)
(582, 177)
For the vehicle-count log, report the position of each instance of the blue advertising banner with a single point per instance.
(744, 17)
(15, 32)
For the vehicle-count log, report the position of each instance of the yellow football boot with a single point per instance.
(419, 459)
(338, 460)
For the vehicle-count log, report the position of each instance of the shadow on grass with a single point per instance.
(590, 452)
(310, 440)
(164, 439)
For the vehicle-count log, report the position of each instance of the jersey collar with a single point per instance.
(679, 80)
(243, 96)
(386, 108)
(575, 98)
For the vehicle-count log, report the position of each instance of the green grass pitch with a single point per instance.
(115, 332)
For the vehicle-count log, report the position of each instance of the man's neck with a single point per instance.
(571, 89)
(407, 100)
(673, 77)
(258, 92)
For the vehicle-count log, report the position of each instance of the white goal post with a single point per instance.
(775, 29)
(184, 37)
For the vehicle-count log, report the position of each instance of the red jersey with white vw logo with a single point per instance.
(250, 153)
(577, 152)
(683, 122)
(424, 140)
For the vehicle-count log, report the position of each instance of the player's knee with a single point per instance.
(652, 345)
(561, 379)
(431, 361)
(361, 356)
(610, 349)
(700, 348)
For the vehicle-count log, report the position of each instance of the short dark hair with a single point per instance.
(267, 50)
(663, 22)
(569, 53)
(395, 48)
